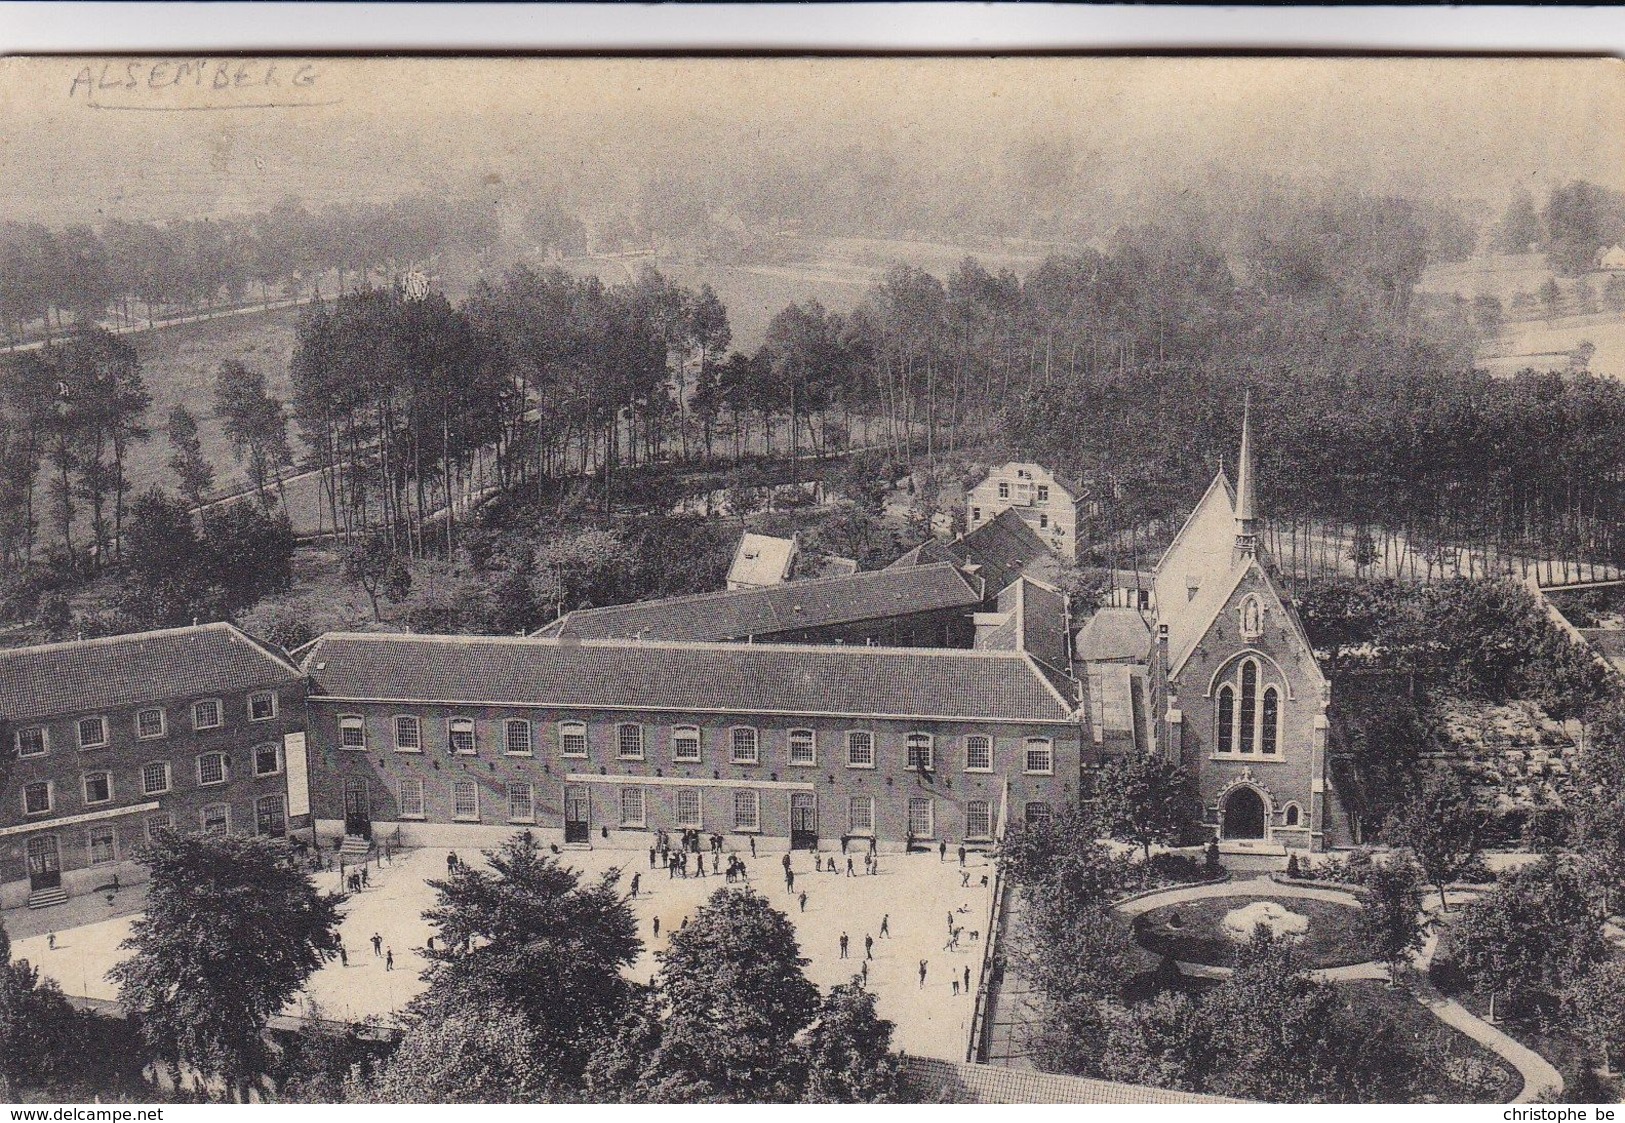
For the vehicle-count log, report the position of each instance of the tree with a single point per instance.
(1495, 948)
(847, 1051)
(1390, 922)
(1519, 229)
(249, 552)
(1062, 850)
(254, 423)
(1141, 798)
(1596, 1002)
(734, 999)
(1441, 827)
(454, 1053)
(192, 470)
(368, 561)
(232, 931)
(530, 936)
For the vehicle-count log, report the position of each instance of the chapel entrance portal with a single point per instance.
(1243, 814)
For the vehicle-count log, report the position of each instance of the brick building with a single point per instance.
(431, 738)
(196, 728)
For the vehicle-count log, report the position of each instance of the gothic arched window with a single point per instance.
(1270, 725)
(1249, 704)
(1226, 720)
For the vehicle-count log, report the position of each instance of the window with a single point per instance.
(975, 514)
(922, 820)
(516, 737)
(37, 798)
(92, 732)
(206, 714)
(688, 808)
(411, 792)
(1293, 816)
(32, 741)
(1043, 493)
(215, 819)
(860, 749)
(262, 706)
(1040, 755)
(632, 807)
(1004, 489)
(629, 741)
(211, 768)
(149, 723)
(860, 815)
(1226, 719)
(1043, 522)
(572, 738)
(352, 732)
(155, 778)
(978, 819)
(803, 747)
(1249, 704)
(685, 744)
(101, 843)
(1037, 814)
(98, 787)
(521, 803)
(408, 734)
(744, 745)
(920, 752)
(1268, 729)
(156, 825)
(460, 736)
(978, 753)
(271, 816)
(465, 800)
(267, 759)
(747, 811)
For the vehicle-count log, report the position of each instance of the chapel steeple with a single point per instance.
(1247, 520)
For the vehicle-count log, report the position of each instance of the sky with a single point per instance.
(88, 138)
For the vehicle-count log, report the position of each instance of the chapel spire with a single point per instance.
(1247, 520)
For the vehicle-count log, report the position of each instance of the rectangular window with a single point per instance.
(922, 819)
(460, 736)
(149, 724)
(92, 732)
(408, 734)
(352, 732)
(978, 753)
(685, 744)
(1040, 756)
(632, 807)
(860, 749)
(32, 741)
(102, 846)
(156, 825)
(978, 819)
(262, 706)
(155, 778)
(215, 819)
(629, 741)
(975, 514)
(572, 738)
(744, 745)
(465, 801)
(521, 803)
(803, 747)
(1043, 522)
(860, 815)
(206, 714)
(1004, 489)
(98, 787)
(37, 798)
(688, 808)
(921, 755)
(1037, 814)
(267, 759)
(747, 810)
(411, 799)
(1043, 493)
(211, 768)
(516, 734)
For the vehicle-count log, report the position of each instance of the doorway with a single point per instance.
(357, 810)
(577, 814)
(803, 821)
(44, 863)
(270, 819)
(1244, 814)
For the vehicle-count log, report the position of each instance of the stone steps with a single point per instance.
(45, 898)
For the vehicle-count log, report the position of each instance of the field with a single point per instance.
(1546, 346)
(1201, 938)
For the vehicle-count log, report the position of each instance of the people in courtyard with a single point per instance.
(922, 974)
(843, 945)
(942, 851)
(344, 956)
(657, 928)
(967, 978)
(868, 947)
(961, 855)
(849, 872)
(389, 960)
(636, 879)
(885, 927)
(50, 940)
(377, 945)
(803, 900)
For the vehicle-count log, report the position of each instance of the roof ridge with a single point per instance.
(121, 637)
(658, 644)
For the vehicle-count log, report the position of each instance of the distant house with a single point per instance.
(1611, 258)
(762, 561)
(1052, 506)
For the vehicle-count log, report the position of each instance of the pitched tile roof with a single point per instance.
(924, 554)
(690, 677)
(744, 613)
(116, 672)
(1004, 547)
(1113, 635)
(939, 1081)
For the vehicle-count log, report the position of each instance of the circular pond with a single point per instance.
(1210, 930)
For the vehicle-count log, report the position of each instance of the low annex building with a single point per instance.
(197, 728)
(427, 737)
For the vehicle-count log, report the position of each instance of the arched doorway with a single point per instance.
(1243, 814)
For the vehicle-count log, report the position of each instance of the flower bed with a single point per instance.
(1201, 937)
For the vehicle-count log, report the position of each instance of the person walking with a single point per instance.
(786, 863)
(636, 881)
(377, 945)
(956, 988)
(922, 974)
(389, 960)
(652, 850)
(452, 862)
(868, 947)
(942, 851)
(344, 957)
(753, 846)
(657, 928)
(849, 872)
(789, 881)
(885, 927)
(962, 857)
(803, 900)
(967, 978)
(843, 946)
(865, 972)
(50, 940)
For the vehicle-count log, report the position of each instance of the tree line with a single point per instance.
(1577, 219)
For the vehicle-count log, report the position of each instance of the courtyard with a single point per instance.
(917, 892)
